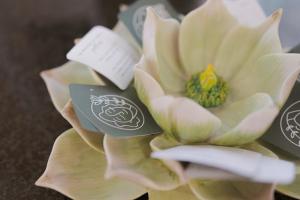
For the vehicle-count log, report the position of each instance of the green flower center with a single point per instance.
(206, 88)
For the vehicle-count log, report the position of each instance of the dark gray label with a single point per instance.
(111, 111)
(285, 131)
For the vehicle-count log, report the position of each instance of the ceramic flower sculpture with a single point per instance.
(211, 80)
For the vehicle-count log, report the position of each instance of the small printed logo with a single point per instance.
(290, 123)
(117, 112)
(140, 16)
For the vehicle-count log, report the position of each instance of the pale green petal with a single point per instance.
(234, 190)
(269, 43)
(166, 141)
(229, 190)
(191, 122)
(129, 158)
(243, 45)
(274, 74)
(93, 139)
(58, 79)
(181, 193)
(77, 171)
(201, 34)
(292, 190)
(146, 86)
(165, 54)
(187, 121)
(161, 109)
(246, 120)
(149, 49)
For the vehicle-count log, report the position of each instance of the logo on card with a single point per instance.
(140, 16)
(117, 112)
(290, 123)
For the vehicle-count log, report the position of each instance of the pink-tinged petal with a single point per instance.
(146, 86)
(161, 51)
(77, 171)
(184, 119)
(129, 158)
(274, 74)
(246, 120)
(58, 79)
(243, 45)
(191, 123)
(93, 139)
(161, 109)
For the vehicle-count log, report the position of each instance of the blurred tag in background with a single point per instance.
(289, 27)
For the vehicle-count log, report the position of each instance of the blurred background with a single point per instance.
(35, 35)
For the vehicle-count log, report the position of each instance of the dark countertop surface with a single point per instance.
(35, 35)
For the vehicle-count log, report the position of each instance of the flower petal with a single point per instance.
(160, 109)
(129, 158)
(161, 47)
(91, 138)
(245, 120)
(181, 193)
(146, 86)
(274, 74)
(227, 190)
(187, 121)
(149, 48)
(166, 141)
(58, 79)
(201, 33)
(77, 171)
(291, 190)
(191, 122)
(242, 46)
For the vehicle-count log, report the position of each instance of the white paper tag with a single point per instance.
(107, 53)
(229, 163)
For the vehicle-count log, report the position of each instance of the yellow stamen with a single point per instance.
(208, 78)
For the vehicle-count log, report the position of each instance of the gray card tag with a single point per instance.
(134, 17)
(285, 131)
(109, 110)
(88, 125)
